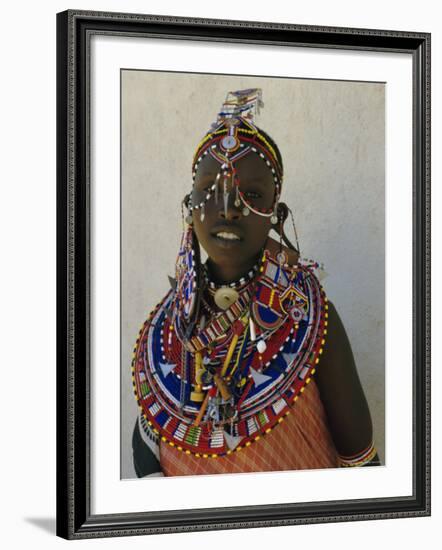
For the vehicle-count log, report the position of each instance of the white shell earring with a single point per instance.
(274, 216)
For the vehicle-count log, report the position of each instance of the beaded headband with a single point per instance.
(232, 137)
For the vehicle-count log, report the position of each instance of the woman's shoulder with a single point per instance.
(274, 247)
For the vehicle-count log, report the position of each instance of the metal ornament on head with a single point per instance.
(233, 136)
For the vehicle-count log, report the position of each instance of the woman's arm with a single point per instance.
(342, 394)
(145, 454)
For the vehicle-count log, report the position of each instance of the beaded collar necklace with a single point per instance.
(234, 284)
(242, 373)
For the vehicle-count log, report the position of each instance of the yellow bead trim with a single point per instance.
(256, 438)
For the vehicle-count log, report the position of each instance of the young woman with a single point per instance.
(244, 365)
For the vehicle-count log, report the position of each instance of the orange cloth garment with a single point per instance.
(301, 442)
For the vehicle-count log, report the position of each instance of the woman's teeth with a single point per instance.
(229, 236)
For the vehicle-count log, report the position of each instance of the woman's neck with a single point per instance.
(222, 274)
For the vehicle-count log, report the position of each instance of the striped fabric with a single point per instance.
(301, 442)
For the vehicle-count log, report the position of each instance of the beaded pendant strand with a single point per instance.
(242, 370)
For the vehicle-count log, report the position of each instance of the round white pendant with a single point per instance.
(261, 346)
(225, 297)
(229, 142)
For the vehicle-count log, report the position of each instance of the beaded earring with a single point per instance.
(187, 269)
(186, 202)
(298, 248)
(274, 216)
(282, 214)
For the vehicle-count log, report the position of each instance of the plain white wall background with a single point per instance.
(28, 276)
(331, 137)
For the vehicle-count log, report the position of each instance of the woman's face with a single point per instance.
(233, 241)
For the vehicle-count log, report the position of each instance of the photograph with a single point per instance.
(252, 257)
(242, 274)
(221, 254)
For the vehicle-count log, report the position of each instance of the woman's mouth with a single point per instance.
(227, 236)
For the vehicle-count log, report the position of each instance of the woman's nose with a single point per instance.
(226, 204)
(229, 213)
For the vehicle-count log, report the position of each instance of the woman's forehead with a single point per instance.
(249, 166)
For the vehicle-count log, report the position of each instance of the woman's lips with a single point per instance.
(226, 237)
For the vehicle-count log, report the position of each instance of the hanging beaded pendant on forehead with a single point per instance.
(227, 169)
(241, 137)
(230, 143)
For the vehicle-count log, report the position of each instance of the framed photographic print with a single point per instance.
(243, 274)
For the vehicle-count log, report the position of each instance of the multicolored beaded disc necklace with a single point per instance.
(242, 369)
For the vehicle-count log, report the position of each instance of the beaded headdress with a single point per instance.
(231, 137)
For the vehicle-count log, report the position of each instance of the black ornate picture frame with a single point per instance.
(74, 32)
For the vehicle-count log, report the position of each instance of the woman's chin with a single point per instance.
(227, 244)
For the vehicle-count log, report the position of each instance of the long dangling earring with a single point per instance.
(187, 269)
(186, 202)
(281, 256)
(283, 213)
(274, 217)
(298, 248)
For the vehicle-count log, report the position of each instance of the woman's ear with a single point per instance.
(283, 212)
(186, 200)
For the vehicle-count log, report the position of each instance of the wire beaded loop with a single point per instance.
(233, 136)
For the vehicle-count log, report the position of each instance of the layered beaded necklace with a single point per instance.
(240, 373)
(235, 284)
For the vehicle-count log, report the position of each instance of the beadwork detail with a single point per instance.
(232, 137)
(226, 387)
